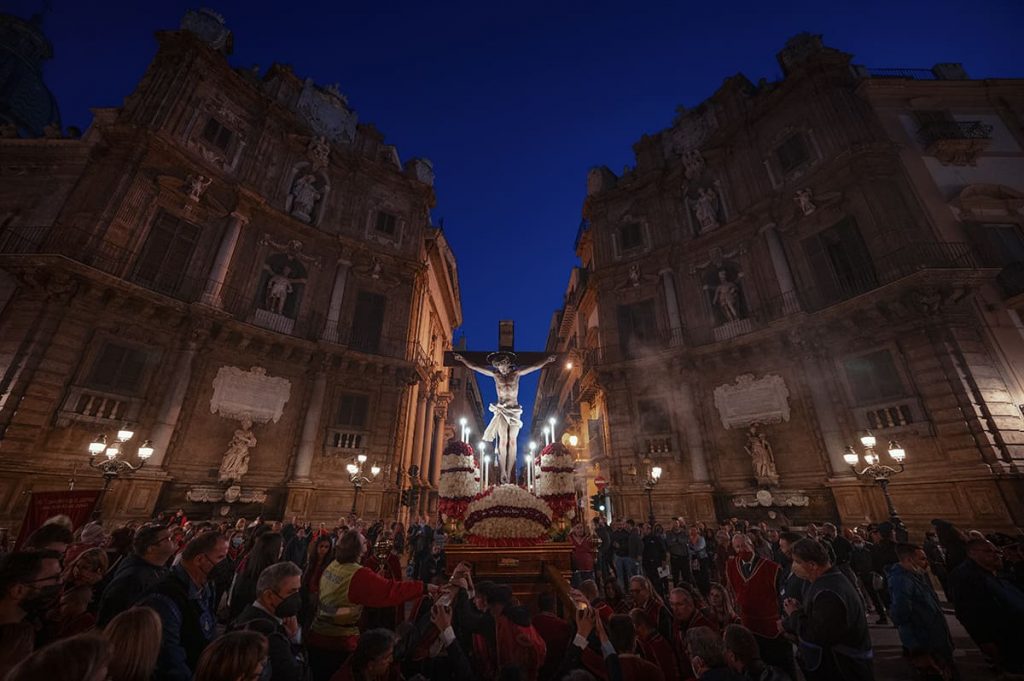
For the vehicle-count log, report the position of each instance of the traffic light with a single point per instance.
(597, 502)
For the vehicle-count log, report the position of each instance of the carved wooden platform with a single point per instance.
(527, 569)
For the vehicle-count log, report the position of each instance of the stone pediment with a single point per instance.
(326, 112)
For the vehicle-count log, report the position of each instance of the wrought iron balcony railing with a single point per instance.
(938, 131)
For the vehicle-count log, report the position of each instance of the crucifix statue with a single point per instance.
(505, 367)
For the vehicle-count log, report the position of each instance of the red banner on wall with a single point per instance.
(77, 505)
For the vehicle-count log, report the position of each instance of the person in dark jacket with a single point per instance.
(883, 554)
(265, 552)
(707, 655)
(144, 567)
(744, 657)
(274, 614)
(296, 542)
(655, 555)
(918, 617)
(830, 625)
(184, 601)
(989, 606)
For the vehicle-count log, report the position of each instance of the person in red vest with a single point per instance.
(655, 647)
(756, 583)
(555, 631)
(685, 616)
(644, 597)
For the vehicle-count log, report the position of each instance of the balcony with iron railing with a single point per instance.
(955, 142)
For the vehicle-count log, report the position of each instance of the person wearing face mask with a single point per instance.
(757, 582)
(184, 600)
(151, 549)
(274, 614)
(30, 584)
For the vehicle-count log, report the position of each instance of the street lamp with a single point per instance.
(358, 478)
(879, 471)
(650, 481)
(112, 466)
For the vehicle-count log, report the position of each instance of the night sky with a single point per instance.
(513, 102)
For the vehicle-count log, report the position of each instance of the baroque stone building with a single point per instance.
(794, 263)
(245, 275)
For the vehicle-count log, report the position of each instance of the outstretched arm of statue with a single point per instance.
(537, 366)
(479, 368)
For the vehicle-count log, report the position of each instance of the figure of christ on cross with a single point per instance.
(507, 419)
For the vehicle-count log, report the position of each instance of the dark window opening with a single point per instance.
(873, 377)
(1000, 244)
(166, 254)
(631, 236)
(352, 410)
(368, 321)
(117, 369)
(792, 153)
(638, 326)
(653, 419)
(839, 262)
(217, 135)
(386, 223)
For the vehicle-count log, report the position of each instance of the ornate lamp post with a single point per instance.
(358, 478)
(111, 466)
(650, 480)
(879, 471)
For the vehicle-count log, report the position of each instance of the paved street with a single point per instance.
(889, 662)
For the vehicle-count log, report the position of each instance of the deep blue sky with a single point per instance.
(515, 101)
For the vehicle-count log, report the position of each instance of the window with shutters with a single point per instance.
(792, 153)
(839, 263)
(368, 321)
(117, 369)
(638, 326)
(166, 254)
(352, 411)
(653, 418)
(873, 377)
(631, 235)
(217, 135)
(387, 223)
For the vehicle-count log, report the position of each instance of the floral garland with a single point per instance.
(555, 483)
(459, 481)
(507, 516)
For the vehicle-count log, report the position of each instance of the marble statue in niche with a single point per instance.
(706, 209)
(726, 297)
(235, 463)
(762, 459)
(282, 285)
(304, 197)
(723, 283)
(196, 185)
(803, 199)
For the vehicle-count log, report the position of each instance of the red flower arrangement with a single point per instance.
(459, 480)
(507, 516)
(555, 483)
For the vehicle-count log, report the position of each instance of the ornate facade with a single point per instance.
(791, 264)
(240, 271)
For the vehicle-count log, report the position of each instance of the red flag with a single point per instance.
(77, 505)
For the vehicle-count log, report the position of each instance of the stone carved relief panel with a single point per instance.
(252, 394)
(752, 400)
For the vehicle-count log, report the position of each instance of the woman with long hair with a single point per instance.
(721, 606)
(265, 552)
(321, 553)
(135, 634)
(373, 659)
(87, 569)
(236, 656)
(615, 598)
(79, 658)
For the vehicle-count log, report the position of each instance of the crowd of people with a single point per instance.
(175, 600)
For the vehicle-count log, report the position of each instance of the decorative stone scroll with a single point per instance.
(211, 494)
(750, 400)
(252, 394)
(765, 499)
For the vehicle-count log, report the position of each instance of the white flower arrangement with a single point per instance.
(508, 512)
(556, 473)
(458, 477)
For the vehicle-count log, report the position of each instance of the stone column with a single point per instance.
(219, 271)
(672, 303)
(170, 406)
(417, 435)
(435, 463)
(330, 331)
(828, 422)
(691, 428)
(428, 438)
(782, 272)
(410, 431)
(310, 429)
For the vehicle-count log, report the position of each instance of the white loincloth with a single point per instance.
(503, 415)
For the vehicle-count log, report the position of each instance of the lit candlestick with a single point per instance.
(462, 424)
(529, 466)
(487, 471)
(552, 422)
(529, 473)
(547, 439)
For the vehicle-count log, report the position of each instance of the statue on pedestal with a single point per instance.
(235, 463)
(761, 456)
(304, 197)
(279, 287)
(726, 297)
